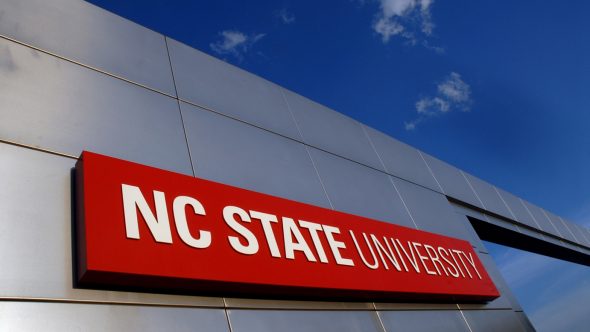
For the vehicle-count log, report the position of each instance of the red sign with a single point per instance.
(139, 227)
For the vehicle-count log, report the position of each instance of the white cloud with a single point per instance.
(397, 17)
(452, 93)
(235, 43)
(285, 16)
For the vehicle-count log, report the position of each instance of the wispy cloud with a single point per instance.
(451, 94)
(285, 16)
(405, 18)
(235, 43)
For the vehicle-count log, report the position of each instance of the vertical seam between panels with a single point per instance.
(227, 315)
(473, 189)
(317, 172)
(379, 317)
(551, 222)
(568, 229)
(431, 172)
(190, 157)
(403, 202)
(508, 207)
(389, 176)
(464, 318)
(530, 214)
(374, 148)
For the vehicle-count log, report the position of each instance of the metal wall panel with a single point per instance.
(432, 212)
(84, 33)
(238, 154)
(573, 230)
(360, 190)
(65, 317)
(506, 299)
(53, 104)
(581, 235)
(493, 321)
(452, 181)
(331, 131)
(295, 305)
(525, 322)
(211, 83)
(401, 159)
(408, 321)
(561, 228)
(542, 220)
(309, 321)
(36, 234)
(489, 197)
(518, 209)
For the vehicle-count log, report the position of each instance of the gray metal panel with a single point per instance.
(221, 87)
(571, 227)
(489, 196)
(309, 321)
(401, 159)
(295, 305)
(43, 316)
(36, 235)
(432, 212)
(53, 104)
(542, 220)
(476, 242)
(235, 153)
(506, 299)
(501, 222)
(415, 306)
(331, 131)
(493, 321)
(360, 190)
(581, 234)
(518, 209)
(561, 228)
(526, 323)
(452, 181)
(440, 321)
(86, 34)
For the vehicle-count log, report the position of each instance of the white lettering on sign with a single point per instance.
(374, 252)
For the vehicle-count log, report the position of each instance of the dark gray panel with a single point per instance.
(561, 228)
(573, 231)
(542, 220)
(581, 234)
(506, 299)
(43, 316)
(525, 322)
(53, 104)
(221, 87)
(501, 222)
(452, 181)
(81, 32)
(517, 207)
(235, 153)
(295, 305)
(309, 321)
(493, 321)
(414, 306)
(36, 234)
(360, 190)
(418, 321)
(331, 131)
(432, 211)
(489, 197)
(401, 159)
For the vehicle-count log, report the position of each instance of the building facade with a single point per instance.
(75, 77)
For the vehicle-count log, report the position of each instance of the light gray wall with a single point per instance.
(75, 77)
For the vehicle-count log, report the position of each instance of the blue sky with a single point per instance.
(497, 88)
